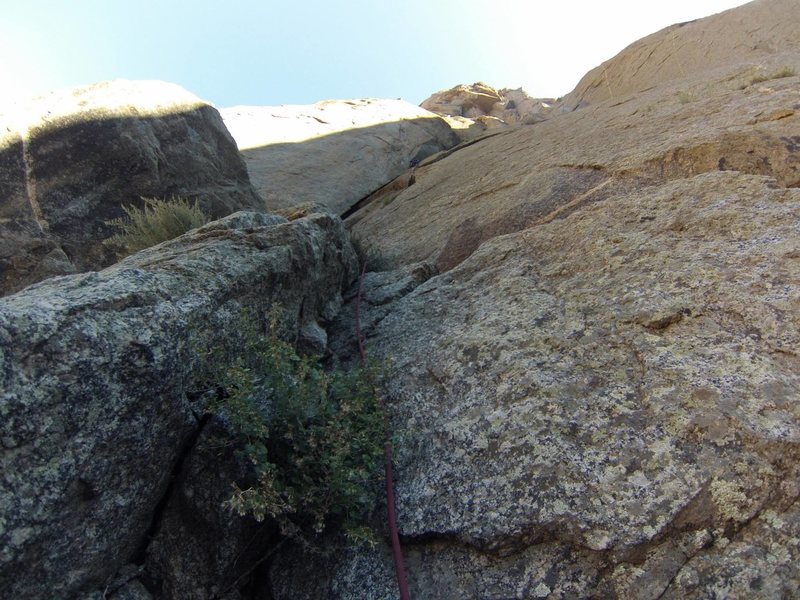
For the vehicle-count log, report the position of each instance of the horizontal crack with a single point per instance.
(572, 205)
(582, 166)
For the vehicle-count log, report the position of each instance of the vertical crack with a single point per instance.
(30, 178)
(140, 555)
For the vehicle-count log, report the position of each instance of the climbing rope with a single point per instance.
(397, 550)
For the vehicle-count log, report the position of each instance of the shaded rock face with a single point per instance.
(334, 152)
(71, 160)
(27, 252)
(97, 415)
(202, 549)
(380, 291)
(598, 394)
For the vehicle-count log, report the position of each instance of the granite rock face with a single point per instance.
(526, 176)
(591, 341)
(70, 161)
(761, 34)
(464, 100)
(335, 152)
(97, 415)
(597, 396)
(604, 404)
(202, 550)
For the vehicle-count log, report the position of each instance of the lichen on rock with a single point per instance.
(96, 403)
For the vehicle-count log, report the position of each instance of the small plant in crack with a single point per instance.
(155, 222)
(781, 73)
(314, 438)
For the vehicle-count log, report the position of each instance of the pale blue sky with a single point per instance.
(298, 52)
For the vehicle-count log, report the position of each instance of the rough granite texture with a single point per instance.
(478, 101)
(755, 33)
(202, 549)
(607, 401)
(598, 395)
(95, 408)
(715, 119)
(70, 160)
(592, 347)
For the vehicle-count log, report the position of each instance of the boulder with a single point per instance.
(464, 100)
(519, 107)
(71, 160)
(334, 152)
(100, 433)
(479, 102)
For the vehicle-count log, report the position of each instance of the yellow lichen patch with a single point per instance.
(625, 577)
(729, 500)
(297, 214)
(772, 519)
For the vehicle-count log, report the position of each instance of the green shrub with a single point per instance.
(155, 222)
(315, 439)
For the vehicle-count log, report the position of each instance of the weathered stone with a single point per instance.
(96, 411)
(461, 100)
(70, 161)
(203, 550)
(615, 384)
(597, 397)
(440, 569)
(519, 107)
(759, 562)
(593, 379)
(131, 591)
(525, 176)
(380, 291)
(486, 107)
(334, 152)
(762, 34)
(124, 586)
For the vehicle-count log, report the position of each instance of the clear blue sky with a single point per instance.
(301, 51)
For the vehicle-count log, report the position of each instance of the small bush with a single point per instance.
(780, 74)
(155, 222)
(786, 71)
(315, 439)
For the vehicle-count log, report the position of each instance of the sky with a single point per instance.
(267, 52)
